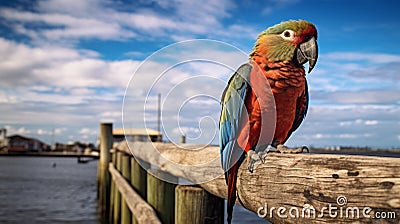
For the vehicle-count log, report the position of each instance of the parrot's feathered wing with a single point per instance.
(232, 114)
(233, 110)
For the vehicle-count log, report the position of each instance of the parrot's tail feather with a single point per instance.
(232, 177)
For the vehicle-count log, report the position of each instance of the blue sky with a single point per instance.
(65, 66)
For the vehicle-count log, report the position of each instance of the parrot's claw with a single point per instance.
(284, 149)
(254, 160)
(257, 157)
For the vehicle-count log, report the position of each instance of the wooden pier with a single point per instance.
(284, 183)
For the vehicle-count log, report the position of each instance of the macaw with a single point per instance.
(266, 99)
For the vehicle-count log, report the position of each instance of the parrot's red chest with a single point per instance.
(286, 85)
(285, 102)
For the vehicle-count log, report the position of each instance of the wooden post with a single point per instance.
(139, 176)
(126, 215)
(112, 189)
(194, 204)
(139, 179)
(106, 141)
(161, 195)
(117, 194)
(183, 139)
(137, 138)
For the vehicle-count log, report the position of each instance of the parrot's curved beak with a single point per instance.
(308, 51)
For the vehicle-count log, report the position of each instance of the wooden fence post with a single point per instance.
(195, 205)
(139, 179)
(183, 139)
(117, 194)
(126, 173)
(139, 176)
(106, 141)
(112, 188)
(161, 195)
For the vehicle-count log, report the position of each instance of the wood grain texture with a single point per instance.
(294, 181)
(318, 180)
(195, 205)
(103, 177)
(161, 195)
(126, 215)
(139, 177)
(117, 193)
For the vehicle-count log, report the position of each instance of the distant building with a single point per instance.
(59, 147)
(136, 134)
(3, 139)
(77, 147)
(19, 143)
(333, 148)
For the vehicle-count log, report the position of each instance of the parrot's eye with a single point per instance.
(288, 34)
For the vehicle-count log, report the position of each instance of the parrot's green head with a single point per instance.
(292, 40)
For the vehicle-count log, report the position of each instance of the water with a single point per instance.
(244, 216)
(58, 190)
(33, 191)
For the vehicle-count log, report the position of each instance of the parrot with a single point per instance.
(266, 99)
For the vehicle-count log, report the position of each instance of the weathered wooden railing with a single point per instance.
(301, 188)
(130, 192)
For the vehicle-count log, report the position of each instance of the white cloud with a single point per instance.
(319, 135)
(59, 131)
(75, 7)
(360, 97)
(70, 88)
(41, 67)
(42, 132)
(88, 131)
(356, 125)
(63, 26)
(358, 122)
(23, 130)
(347, 136)
(33, 131)
(191, 131)
(373, 58)
(337, 136)
(371, 122)
(70, 21)
(357, 77)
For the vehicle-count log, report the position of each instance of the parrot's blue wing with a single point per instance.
(233, 110)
